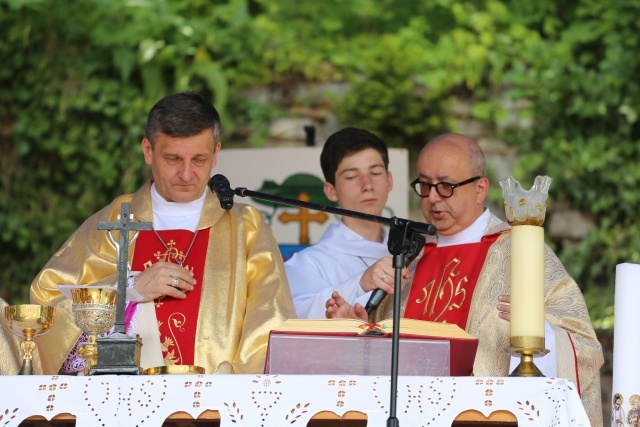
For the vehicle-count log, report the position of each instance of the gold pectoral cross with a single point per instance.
(453, 295)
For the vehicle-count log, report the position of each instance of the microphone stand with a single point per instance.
(405, 240)
(405, 249)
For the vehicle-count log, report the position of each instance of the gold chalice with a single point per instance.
(94, 311)
(28, 321)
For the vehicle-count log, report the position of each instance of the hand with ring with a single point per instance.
(164, 279)
(380, 276)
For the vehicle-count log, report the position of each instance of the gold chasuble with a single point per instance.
(243, 287)
(444, 282)
(177, 318)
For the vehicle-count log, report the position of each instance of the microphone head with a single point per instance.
(219, 185)
(217, 180)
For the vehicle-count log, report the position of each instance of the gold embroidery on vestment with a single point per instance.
(446, 287)
(176, 324)
(167, 343)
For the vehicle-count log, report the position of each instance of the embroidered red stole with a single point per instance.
(444, 281)
(177, 318)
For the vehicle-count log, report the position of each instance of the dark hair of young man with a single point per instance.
(346, 142)
(182, 115)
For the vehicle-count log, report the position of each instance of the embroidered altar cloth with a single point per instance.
(280, 400)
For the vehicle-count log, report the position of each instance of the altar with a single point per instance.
(280, 400)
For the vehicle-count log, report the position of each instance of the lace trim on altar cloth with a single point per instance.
(285, 400)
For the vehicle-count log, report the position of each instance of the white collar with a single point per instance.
(173, 215)
(166, 208)
(471, 234)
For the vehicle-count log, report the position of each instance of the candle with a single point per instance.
(527, 281)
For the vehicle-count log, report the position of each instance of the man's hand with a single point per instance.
(337, 307)
(380, 275)
(164, 278)
(504, 309)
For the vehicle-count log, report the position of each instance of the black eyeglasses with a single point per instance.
(444, 189)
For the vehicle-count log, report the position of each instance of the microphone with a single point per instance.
(219, 184)
(374, 300)
(415, 246)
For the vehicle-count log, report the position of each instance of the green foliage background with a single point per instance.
(78, 78)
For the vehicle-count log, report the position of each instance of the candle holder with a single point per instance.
(525, 211)
(527, 348)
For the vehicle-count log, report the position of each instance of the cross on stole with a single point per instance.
(304, 218)
(123, 226)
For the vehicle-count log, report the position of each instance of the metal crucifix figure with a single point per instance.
(119, 353)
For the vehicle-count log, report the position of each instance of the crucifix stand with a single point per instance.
(119, 353)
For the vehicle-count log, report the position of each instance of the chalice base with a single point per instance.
(26, 368)
(89, 352)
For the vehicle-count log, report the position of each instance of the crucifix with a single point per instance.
(119, 353)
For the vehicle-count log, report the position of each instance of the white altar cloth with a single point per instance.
(279, 400)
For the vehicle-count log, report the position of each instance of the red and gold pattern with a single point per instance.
(444, 282)
(177, 318)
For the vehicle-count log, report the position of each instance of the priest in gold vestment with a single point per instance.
(206, 284)
(463, 276)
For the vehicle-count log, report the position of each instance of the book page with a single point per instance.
(356, 327)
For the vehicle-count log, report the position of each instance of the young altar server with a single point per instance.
(352, 256)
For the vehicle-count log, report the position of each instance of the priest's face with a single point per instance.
(362, 183)
(448, 160)
(181, 166)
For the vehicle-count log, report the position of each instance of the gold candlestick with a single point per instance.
(28, 321)
(527, 348)
(525, 212)
(94, 311)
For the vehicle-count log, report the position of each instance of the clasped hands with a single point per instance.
(164, 279)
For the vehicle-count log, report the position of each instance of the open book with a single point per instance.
(310, 345)
(408, 327)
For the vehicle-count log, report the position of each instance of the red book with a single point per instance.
(355, 347)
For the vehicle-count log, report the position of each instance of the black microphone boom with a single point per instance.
(219, 184)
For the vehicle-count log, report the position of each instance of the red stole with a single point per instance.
(177, 318)
(444, 281)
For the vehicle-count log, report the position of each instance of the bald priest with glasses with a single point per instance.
(462, 276)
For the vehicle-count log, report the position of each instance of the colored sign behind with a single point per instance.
(295, 173)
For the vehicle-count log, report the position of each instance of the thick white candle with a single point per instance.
(527, 281)
(626, 346)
